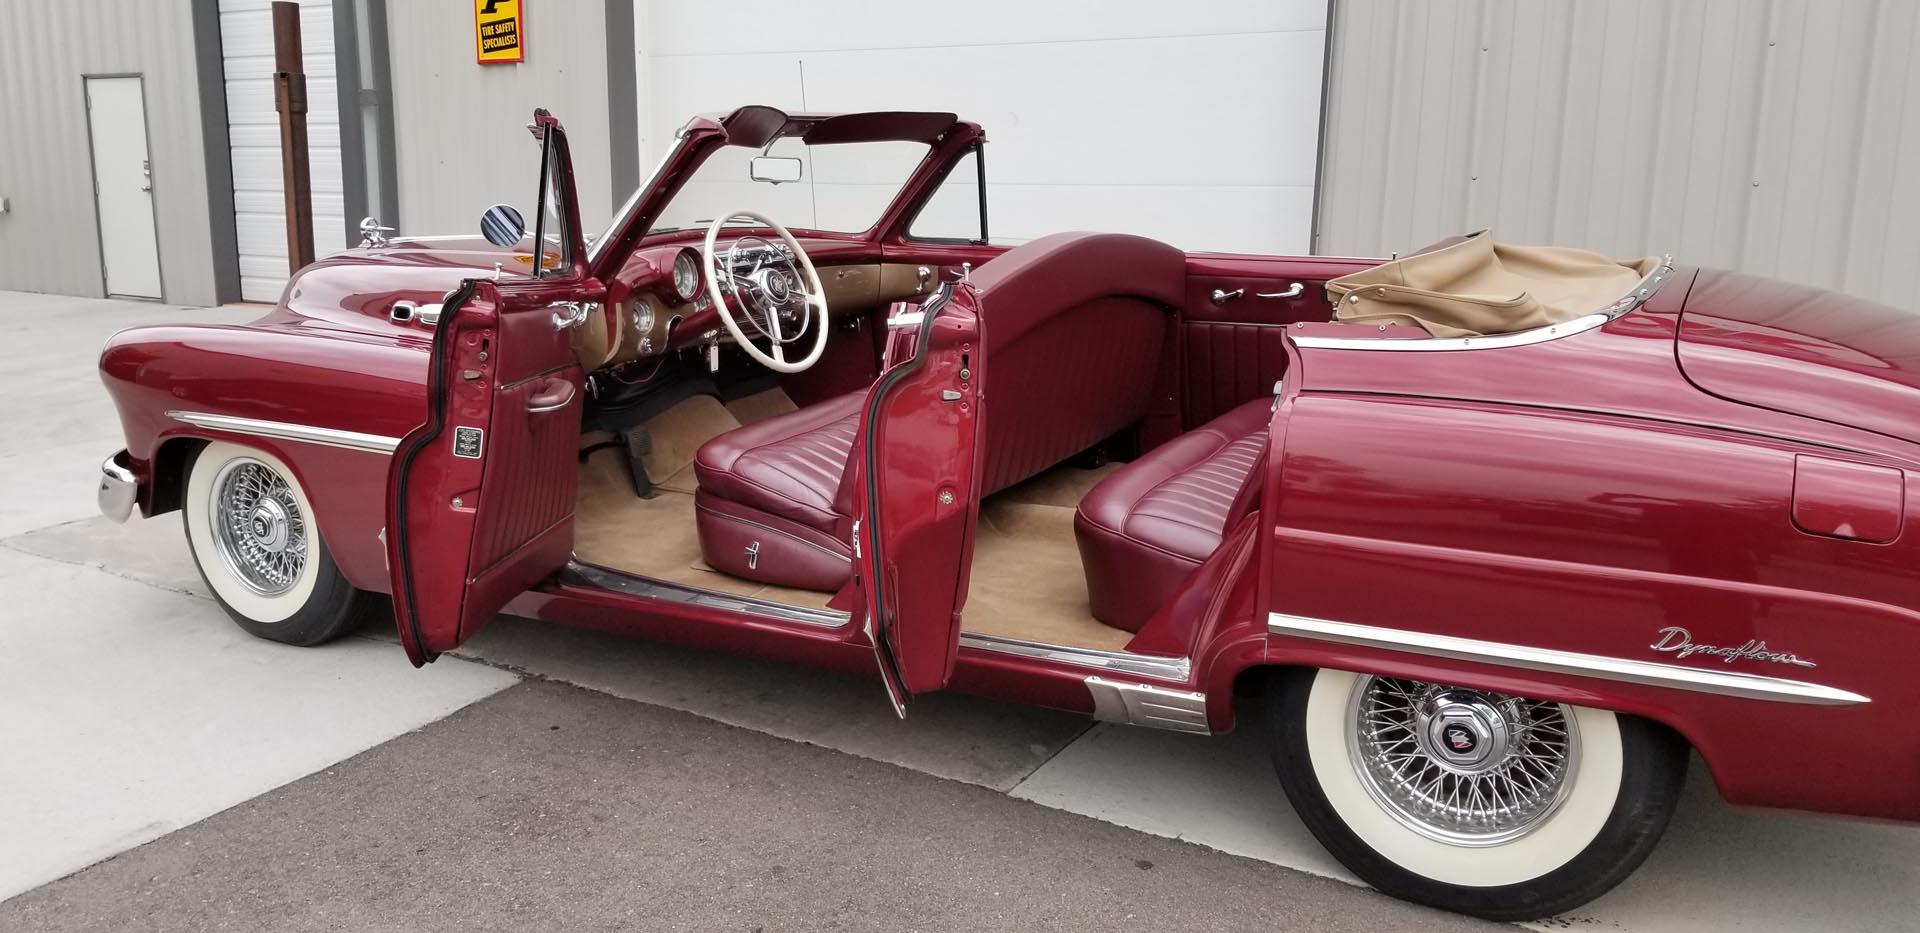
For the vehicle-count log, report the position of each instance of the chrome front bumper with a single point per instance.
(118, 489)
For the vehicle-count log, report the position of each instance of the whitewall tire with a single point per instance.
(254, 537)
(1483, 803)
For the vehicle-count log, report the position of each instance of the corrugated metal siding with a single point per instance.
(461, 133)
(1778, 137)
(253, 133)
(49, 241)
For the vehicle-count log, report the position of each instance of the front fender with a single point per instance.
(293, 391)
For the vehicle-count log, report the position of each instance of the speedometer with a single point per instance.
(686, 274)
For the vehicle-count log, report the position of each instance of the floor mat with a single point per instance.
(678, 434)
(1027, 580)
(752, 409)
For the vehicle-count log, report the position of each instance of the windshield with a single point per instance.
(842, 188)
(551, 223)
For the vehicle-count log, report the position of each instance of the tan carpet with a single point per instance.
(1027, 581)
(761, 405)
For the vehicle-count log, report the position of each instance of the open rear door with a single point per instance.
(917, 492)
(480, 498)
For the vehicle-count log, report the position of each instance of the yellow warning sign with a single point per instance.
(497, 36)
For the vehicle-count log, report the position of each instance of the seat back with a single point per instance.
(1076, 326)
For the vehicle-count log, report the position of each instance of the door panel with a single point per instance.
(123, 186)
(1232, 347)
(917, 500)
(482, 495)
(480, 498)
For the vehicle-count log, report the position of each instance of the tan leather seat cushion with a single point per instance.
(1476, 287)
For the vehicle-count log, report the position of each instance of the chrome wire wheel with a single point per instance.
(1462, 767)
(259, 529)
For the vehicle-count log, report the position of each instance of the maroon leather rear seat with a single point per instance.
(1145, 528)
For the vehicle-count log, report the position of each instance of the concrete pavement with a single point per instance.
(106, 637)
(551, 807)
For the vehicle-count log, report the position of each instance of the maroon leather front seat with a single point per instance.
(1144, 529)
(1075, 325)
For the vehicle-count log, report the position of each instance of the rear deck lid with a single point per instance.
(1804, 351)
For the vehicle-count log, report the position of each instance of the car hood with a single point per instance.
(1803, 350)
(356, 289)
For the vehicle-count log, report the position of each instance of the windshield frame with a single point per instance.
(702, 136)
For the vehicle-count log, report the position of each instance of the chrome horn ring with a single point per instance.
(1462, 767)
(769, 286)
(258, 527)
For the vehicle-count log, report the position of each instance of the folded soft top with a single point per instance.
(1476, 287)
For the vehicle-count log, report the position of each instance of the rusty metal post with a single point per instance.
(290, 100)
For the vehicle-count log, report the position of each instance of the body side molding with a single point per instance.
(288, 431)
(1650, 673)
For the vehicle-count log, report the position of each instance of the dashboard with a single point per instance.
(660, 300)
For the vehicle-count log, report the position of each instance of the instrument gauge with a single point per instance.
(686, 274)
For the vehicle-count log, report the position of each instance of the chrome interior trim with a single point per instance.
(581, 573)
(1175, 669)
(287, 431)
(1631, 300)
(1649, 673)
(1153, 707)
(118, 489)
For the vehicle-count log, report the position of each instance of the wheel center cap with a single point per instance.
(1462, 731)
(268, 526)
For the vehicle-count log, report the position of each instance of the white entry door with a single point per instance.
(123, 187)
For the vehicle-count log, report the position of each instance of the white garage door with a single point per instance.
(253, 131)
(1197, 123)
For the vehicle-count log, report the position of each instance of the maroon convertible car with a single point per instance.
(1499, 535)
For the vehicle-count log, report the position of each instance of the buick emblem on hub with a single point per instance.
(1459, 739)
(1679, 641)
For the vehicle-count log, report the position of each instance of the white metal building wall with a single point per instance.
(253, 127)
(1196, 123)
(49, 240)
(460, 127)
(1780, 137)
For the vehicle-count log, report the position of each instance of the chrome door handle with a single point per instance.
(571, 314)
(1293, 291)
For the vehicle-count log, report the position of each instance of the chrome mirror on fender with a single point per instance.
(502, 225)
(774, 169)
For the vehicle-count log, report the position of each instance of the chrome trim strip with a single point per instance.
(287, 431)
(118, 489)
(1648, 673)
(1633, 299)
(1123, 662)
(606, 578)
(1152, 707)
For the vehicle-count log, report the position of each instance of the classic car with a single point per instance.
(1500, 536)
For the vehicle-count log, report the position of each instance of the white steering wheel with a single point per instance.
(778, 295)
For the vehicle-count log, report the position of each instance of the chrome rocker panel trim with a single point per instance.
(1648, 673)
(1153, 707)
(288, 431)
(118, 490)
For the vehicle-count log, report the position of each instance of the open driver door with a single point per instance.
(480, 498)
(917, 481)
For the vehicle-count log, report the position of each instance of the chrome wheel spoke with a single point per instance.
(258, 527)
(1461, 766)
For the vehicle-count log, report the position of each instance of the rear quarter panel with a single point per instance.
(1592, 533)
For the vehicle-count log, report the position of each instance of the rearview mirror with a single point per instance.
(502, 225)
(774, 169)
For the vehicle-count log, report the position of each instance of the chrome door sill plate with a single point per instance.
(593, 576)
(1119, 662)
